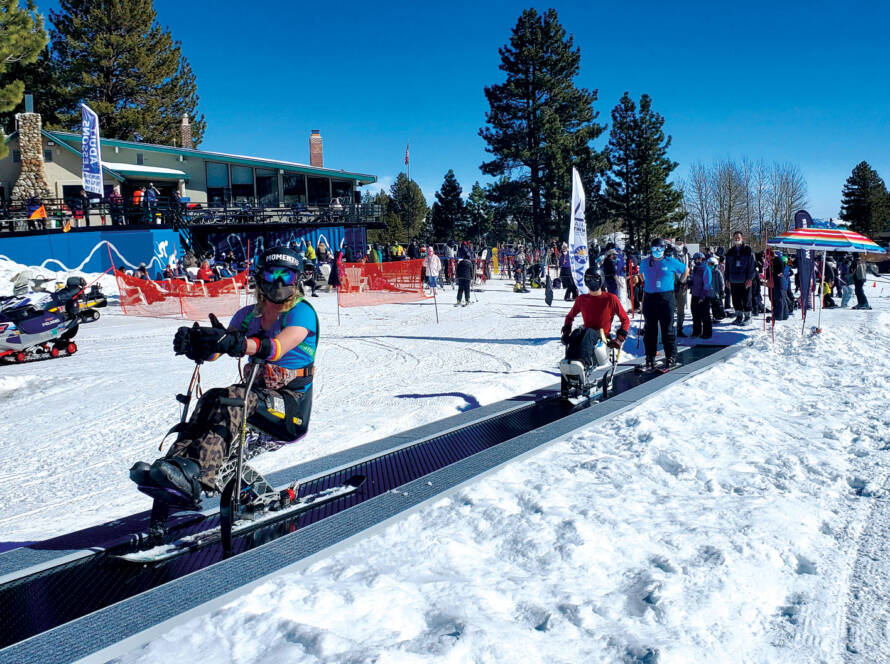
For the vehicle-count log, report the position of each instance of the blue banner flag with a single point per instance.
(802, 219)
(92, 156)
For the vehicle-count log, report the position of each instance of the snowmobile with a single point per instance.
(88, 302)
(41, 326)
(579, 375)
(246, 497)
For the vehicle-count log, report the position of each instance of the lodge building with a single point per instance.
(47, 163)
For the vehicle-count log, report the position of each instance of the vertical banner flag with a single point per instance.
(578, 233)
(89, 148)
(802, 219)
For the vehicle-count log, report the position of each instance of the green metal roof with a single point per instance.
(361, 178)
(58, 141)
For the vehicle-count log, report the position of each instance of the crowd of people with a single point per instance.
(712, 282)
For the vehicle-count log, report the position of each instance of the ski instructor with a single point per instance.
(660, 274)
(282, 331)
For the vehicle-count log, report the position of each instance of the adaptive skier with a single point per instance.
(660, 274)
(281, 330)
(598, 310)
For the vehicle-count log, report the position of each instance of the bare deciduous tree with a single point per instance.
(758, 198)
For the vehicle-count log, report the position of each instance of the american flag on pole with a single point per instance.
(406, 152)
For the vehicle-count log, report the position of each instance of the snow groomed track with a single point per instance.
(67, 598)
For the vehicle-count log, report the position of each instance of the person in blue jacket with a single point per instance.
(659, 306)
(702, 290)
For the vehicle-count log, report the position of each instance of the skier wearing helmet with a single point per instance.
(281, 330)
(598, 310)
(659, 274)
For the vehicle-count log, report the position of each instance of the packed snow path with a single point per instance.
(723, 520)
(718, 521)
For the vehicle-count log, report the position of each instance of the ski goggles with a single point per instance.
(285, 275)
(657, 252)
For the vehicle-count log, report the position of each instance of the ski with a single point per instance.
(243, 524)
(658, 367)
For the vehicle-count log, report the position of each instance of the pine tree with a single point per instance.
(393, 232)
(22, 38)
(40, 78)
(448, 213)
(115, 57)
(638, 191)
(479, 214)
(538, 122)
(408, 204)
(865, 205)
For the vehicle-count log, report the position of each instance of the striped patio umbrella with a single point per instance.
(825, 239)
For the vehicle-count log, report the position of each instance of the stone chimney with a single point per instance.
(32, 177)
(185, 131)
(316, 155)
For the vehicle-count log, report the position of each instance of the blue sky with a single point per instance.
(795, 81)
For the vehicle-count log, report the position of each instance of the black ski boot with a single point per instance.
(738, 320)
(172, 480)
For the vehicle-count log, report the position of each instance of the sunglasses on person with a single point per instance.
(282, 274)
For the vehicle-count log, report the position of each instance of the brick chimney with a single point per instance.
(32, 178)
(316, 155)
(185, 131)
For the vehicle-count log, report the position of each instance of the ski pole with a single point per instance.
(258, 365)
(185, 399)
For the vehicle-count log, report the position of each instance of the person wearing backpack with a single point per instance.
(860, 274)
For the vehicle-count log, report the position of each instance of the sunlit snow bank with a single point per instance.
(716, 522)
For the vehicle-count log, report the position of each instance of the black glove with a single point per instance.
(201, 343)
(618, 341)
(182, 340)
(566, 334)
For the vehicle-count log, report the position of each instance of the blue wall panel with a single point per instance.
(87, 251)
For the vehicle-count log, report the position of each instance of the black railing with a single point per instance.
(16, 216)
(333, 215)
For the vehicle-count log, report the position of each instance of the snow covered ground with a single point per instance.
(719, 521)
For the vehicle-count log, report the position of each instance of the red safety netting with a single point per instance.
(180, 298)
(366, 284)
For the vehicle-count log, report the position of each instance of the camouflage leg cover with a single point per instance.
(216, 428)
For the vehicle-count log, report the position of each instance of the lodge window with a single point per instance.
(267, 187)
(242, 184)
(47, 155)
(342, 189)
(319, 191)
(294, 188)
(217, 182)
(140, 159)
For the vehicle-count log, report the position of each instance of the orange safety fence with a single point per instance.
(192, 300)
(367, 284)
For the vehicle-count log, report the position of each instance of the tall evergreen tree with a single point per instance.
(115, 57)
(638, 192)
(393, 232)
(409, 205)
(22, 38)
(448, 213)
(539, 121)
(41, 78)
(479, 215)
(864, 204)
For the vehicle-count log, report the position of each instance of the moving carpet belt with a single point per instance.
(58, 602)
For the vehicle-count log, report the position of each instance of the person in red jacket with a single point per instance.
(585, 345)
(205, 273)
(597, 309)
